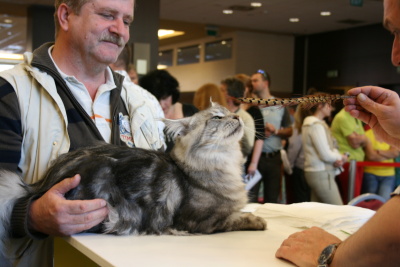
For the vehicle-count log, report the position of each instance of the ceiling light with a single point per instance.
(227, 11)
(11, 56)
(294, 19)
(325, 13)
(163, 34)
(161, 67)
(256, 4)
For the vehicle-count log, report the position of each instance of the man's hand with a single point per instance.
(379, 108)
(303, 248)
(52, 214)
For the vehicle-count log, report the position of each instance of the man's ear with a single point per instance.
(177, 127)
(63, 13)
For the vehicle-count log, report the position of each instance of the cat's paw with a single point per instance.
(252, 222)
(171, 231)
(260, 223)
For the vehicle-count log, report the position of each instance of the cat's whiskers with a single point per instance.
(252, 130)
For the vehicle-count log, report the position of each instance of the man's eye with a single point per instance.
(107, 16)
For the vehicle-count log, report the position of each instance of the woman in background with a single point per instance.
(207, 92)
(321, 156)
(166, 89)
(379, 179)
(296, 184)
(254, 157)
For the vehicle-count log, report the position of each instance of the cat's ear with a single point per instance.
(212, 104)
(177, 127)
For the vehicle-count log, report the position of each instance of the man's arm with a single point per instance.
(51, 211)
(286, 129)
(285, 132)
(376, 243)
(356, 140)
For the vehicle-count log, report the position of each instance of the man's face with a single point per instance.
(391, 21)
(101, 30)
(259, 84)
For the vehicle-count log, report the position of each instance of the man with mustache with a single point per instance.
(62, 97)
(377, 242)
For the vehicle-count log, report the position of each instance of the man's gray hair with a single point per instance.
(75, 5)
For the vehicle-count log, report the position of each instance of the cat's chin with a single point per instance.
(236, 135)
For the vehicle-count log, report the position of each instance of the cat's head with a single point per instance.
(213, 126)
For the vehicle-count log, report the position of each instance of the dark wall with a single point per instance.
(144, 28)
(40, 26)
(362, 56)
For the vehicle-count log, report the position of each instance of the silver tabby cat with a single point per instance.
(197, 188)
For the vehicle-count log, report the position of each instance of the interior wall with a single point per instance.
(251, 51)
(192, 76)
(273, 53)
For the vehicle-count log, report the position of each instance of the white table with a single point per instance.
(245, 248)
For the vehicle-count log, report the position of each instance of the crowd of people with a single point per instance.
(66, 95)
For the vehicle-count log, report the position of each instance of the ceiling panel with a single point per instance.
(273, 16)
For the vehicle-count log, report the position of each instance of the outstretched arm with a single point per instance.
(379, 108)
(376, 243)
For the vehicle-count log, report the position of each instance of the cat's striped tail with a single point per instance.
(11, 189)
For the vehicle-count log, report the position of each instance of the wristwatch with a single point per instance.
(327, 254)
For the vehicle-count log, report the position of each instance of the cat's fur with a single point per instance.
(198, 188)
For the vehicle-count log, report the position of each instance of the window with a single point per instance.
(165, 58)
(188, 55)
(218, 50)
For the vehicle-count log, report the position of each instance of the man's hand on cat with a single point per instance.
(52, 214)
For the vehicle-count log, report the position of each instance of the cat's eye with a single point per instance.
(216, 118)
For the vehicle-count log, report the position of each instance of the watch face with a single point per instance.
(327, 254)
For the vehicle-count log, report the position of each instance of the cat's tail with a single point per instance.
(11, 189)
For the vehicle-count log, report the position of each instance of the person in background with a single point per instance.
(277, 126)
(255, 112)
(252, 160)
(233, 88)
(321, 156)
(206, 93)
(132, 73)
(350, 135)
(70, 99)
(165, 88)
(122, 62)
(379, 179)
(377, 242)
(296, 184)
(123, 66)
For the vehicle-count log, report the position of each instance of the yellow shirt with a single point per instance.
(379, 171)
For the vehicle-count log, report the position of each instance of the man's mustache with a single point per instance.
(115, 39)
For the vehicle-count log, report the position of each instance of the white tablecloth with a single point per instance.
(245, 248)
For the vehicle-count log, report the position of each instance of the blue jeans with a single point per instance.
(381, 185)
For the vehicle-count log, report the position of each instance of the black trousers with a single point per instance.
(270, 168)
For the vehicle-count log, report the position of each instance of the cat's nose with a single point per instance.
(235, 117)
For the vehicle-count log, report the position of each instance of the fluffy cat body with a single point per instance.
(197, 188)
